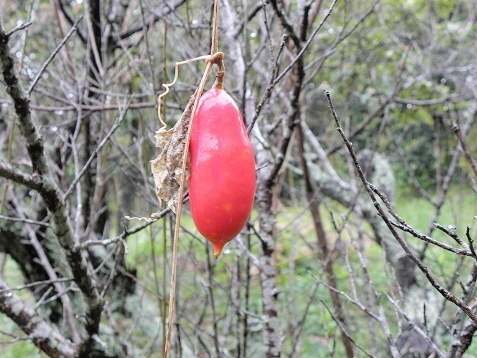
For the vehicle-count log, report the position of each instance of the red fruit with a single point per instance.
(222, 169)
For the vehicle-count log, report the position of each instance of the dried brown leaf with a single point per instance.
(167, 167)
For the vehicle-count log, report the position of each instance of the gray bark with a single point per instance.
(272, 329)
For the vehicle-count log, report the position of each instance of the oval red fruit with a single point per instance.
(222, 169)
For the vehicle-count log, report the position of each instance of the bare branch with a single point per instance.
(49, 192)
(463, 144)
(19, 28)
(305, 45)
(97, 150)
(344, 330)
(22, 105)
(401, 224)
(286, 23)
(44, 336)
(430, 102)
(16, 175)
(445, 293)
(52, 56)
(416, 327)
(34, 284)
(26, 221)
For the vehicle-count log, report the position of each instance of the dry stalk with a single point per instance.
(215, 58)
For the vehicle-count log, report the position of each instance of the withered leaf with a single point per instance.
(167, 167)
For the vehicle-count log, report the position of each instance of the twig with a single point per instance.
(18, 28)
(462, 336)
(298, 328)
(118, 251)
(14, 338)
(416, 327)
(429, 240)
(16, 175)
(356, 303)
(34, 284)
(271, 84)
(451, 231)
(369, 118)
(97, 150)
(168, 9)
(314, 203)
(91, 35)
(402, 225)
(52, 56)
(286, 24)
(471, 241)
(305, 46)
(444, 189)
(275, 79)
(430, 102)
(210, 293)
(345, 332)
(445, 293)
(21, 103)
(246, 251)
(26, 221)
(60, 295)
(463, 144)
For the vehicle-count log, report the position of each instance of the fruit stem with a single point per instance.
(219, 79)
(218, 59)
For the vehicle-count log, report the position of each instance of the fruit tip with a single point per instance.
(217, 250)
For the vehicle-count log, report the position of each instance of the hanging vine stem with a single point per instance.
(217, 59)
